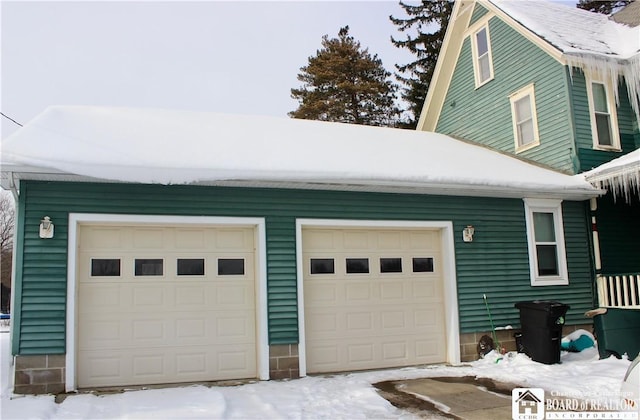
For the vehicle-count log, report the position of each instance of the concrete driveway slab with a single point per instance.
(458, 398)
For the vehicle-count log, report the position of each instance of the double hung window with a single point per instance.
(524, 117)
(545, 233)
(482, 61)
(604, 124)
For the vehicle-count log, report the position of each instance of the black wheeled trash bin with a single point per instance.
(541, 322)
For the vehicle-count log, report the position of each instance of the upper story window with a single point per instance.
(524, 117)
(604, 122)
(545, 234)
(482, 61)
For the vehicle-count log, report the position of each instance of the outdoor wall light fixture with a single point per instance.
(46, 228)
(467, 233)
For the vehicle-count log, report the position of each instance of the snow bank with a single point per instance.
(340, 396)
(173, 147)
(579, 374)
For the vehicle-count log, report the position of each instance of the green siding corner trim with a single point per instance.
(495, 263)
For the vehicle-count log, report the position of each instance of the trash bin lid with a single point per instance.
(542, 305)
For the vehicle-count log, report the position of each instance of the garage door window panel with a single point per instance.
(105, 267)
(357, 265)
(190, 266)
(231, 266)
(391, 265)
(423, 265)
(322, 266)
(149, 267)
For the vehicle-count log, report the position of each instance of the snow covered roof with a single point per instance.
(621, 176)
(574, 30)
(177, 147)
(587, 40)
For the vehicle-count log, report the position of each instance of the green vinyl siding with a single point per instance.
(483, 115)
(495, 263)
(478, 13)
(619, 229)
(627, 125)
(41, 281)
(496, 266)
(281, 268)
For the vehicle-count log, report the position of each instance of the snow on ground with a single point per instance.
(344, 396)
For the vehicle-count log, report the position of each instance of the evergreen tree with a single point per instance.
(429, 19)
(345, 83)
(602, 6)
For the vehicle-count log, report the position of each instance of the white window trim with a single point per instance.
(613, 114)
(474, 49)
(532, 205)
(528, 90)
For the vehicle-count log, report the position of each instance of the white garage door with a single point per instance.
(160, 304)
(373, 298)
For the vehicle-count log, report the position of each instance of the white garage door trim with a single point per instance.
(76, 219)
(449, 274)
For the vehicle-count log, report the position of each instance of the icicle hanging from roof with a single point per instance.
(620, 176)
(623, 184)
(612, 69)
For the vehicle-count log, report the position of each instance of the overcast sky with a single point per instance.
(232, 57)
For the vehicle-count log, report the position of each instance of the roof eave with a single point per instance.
(13, 174)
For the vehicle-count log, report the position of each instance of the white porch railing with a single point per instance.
(618, 290)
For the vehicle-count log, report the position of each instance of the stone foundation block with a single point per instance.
(41, 374)
(284, 361)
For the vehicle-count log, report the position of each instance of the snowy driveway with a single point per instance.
(345, 396)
